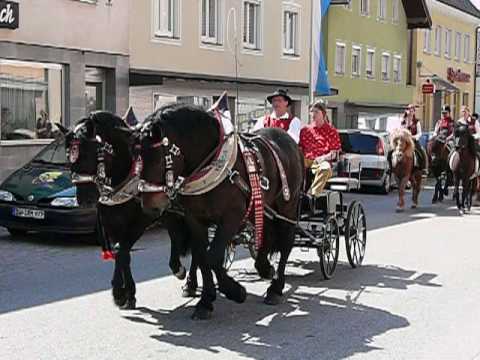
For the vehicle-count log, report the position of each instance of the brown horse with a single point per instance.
(403, 166)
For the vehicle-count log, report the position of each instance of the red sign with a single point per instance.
(457, 76)
(428, 88)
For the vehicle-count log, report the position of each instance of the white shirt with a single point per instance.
(476, 136)
(419, 129)
(293, 130)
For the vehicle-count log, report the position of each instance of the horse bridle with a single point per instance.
(170, 151)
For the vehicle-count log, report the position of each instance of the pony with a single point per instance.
(403, 166)
(438, 153)
(178, 141)
(102, 161)
(464, 164)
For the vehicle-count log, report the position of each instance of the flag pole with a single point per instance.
(311, 86)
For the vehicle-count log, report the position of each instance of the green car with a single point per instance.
(40, 197)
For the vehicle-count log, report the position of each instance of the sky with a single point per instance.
(476, 2)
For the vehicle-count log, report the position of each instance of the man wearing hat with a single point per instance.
(446, 123)
(279, 117)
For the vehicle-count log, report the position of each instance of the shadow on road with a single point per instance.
(310, 324)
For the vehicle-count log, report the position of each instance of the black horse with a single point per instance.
(102, 160)
(463, 162)
(438, 152)
(178, 140)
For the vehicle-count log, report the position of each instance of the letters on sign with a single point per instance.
(457, 76)
(9, 15)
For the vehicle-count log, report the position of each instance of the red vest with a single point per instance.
(471, 126)
(412, 127)
(284, 124)
(446, 124)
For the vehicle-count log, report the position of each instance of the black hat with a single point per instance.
(445, 109)
(280, 92)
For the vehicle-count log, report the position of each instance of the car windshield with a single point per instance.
(359, 144)
(53, 154)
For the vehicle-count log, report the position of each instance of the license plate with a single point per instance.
(29, 213)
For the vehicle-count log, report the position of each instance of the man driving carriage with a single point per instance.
(280, 117)
(320, 144)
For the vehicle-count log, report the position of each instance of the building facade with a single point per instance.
(191, 51)
(446, 58)
(59, 60)
(368, 56)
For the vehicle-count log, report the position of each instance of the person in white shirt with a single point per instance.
(280, 117)
(471, 121)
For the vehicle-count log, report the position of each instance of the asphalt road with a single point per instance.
(417, 296)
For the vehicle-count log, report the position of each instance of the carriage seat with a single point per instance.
(347, 173)
(323, 205)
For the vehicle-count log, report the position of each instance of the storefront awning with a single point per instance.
(443, 85)
(418, 15)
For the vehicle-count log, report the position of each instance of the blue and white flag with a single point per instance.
(320, 84)
(222, 113)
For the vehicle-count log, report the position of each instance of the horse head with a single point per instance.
(175, 141)
(92, 148)
(463, 139)
(437, 148)
(403, 146)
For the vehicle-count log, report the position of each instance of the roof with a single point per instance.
(418, 15)
(463, 5)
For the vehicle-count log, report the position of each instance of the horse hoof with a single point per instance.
(241, 296)
(272, 298)
(130, 304)
(202, 313)
(189, 292)
(414, 206)
(181, 273)
(399, 209)
(434, 201)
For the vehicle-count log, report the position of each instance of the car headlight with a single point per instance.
(6, 196)
(65, 202)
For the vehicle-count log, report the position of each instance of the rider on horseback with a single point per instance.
(473, 125)
(320, 144)
(280, 118)
(445, 125)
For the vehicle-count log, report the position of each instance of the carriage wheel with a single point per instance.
(329, 249)
(229, 255)
(355, 234)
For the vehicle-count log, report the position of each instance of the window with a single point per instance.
(167, 18)
(340, 59)
(364, 7)
(427, 41)
(465, 99)
(448, 43)
(396, 11)
(290, 32)
(349, 5)
(438, 40)
(466, 48)
(458, 45)
(356, 56)
(211, 22)
(385, 66)
(397, 69)
(370, 64)
(382, 9)
(31, 100)
(251, 24)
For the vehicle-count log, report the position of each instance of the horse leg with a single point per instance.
(263, 266)
(416, 187)
(191, 285)
(456, 194)
(216, 254)
(177, 231)
(437, 191)
(123, 285)
(285, 235)
(199, 234)
(401, 194)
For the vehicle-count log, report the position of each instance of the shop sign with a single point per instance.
(457, 76)
(428, 88)
(9, 14)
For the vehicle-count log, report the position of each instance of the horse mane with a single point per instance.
(405, 135)
(462, 130)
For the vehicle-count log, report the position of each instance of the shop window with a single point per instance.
(31, 100)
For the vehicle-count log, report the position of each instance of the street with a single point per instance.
(415, 297)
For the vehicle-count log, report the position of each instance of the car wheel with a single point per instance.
(16, 232)
(387, 185)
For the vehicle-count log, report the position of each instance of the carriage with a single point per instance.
(322, 221)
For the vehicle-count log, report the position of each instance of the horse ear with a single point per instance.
(62, 128)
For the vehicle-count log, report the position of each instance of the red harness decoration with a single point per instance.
(256, 197)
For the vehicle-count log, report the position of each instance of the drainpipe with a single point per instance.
(475, 70)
